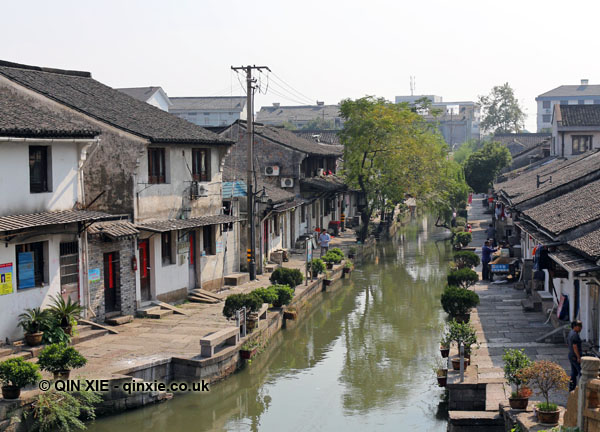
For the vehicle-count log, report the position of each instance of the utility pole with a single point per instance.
(251, 252)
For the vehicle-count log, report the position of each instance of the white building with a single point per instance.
(209, 111)
(575, 129)
(583, 94)
(155, 96)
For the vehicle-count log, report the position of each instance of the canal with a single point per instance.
(359, 361)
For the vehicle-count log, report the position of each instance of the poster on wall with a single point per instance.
(94, 275)
(219, 246)
(26, 276)
(6, 279)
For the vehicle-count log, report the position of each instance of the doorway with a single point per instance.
(112, 281)
(594, 322)
(192, 260)
(143, 247)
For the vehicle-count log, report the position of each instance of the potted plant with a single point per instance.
(465, 334)
(463, 277)
(441, 372)
(15, 374)
(466, 259)
(249, 349)
(316, 266)
(60, 359)
(66, 312)
(458, 302)
(545, 376)
(33, 321)
(352, 252)
(461, 239)
(348, 267)
(514, 361)
(445, 346)
(327, 281)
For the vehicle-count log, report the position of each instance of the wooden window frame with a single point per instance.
(40, 263)
(200, 173)
(39, 167)
(208, 240)
(166, 248)
(157, 164)
(579, 138)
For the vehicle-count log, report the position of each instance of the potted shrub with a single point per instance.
(545, 376)
(15, 374)
(463, 277)
(286, 276)
(461, 239)
(60, 359)
(338, 252)
(331, 258)
(66, 312)
(514, 361)
(466, 259)
(352, 252)
(445, 346)
(268, 295)
(249, 349)
(457, 302)
(316, 266)
(33, 321)
(441, 372)
(284, 295)
(348, 267)
(251, 301)
(462, 333)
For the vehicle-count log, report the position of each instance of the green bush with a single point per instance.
(331, 257)
(337, 251)
(515, 360)
(316, 266)
(286, 276)
(18, 372)
(463, 213)
(463, 333)
(462, 239)
(463, 277)
(458, 301)
(461, 221)
(466, 259)
(59, 357)
(251, 301)
(284, 295)
(268, 295)
(34, 320)
(62, 411)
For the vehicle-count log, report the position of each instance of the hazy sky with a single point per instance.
(326, 50)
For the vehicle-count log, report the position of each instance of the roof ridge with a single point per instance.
(83, 74)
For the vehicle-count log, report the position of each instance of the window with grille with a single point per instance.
(581, 143)
(69, 263)
(156, 166)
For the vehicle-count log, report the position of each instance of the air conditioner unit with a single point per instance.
(202, 191)
(287, 182)
(320, 172)
(272, 170)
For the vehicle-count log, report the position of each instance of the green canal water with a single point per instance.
(360, 361)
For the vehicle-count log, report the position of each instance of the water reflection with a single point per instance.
(359, 361)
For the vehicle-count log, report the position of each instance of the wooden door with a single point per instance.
(192, 260)
(111, 282)
(145, 270)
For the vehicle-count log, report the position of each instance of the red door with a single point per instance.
(144, 270)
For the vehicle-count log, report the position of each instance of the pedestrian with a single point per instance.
(575, 352)
(486, 257)
(490, 232)
(324, 240)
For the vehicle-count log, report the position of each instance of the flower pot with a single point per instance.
(347, 270)
(250, 325)
(290, 315)
(11, 392)
(34, 339)
(518, 403)
(329, 265)
(327, 282)
(351, 256)
(456, 363)
(463, 318)
(548, 417)
(442, 380)
(68, 330)
(444, 352)
(62, 375)
(248, 354)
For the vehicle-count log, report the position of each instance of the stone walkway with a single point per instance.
(501, 321)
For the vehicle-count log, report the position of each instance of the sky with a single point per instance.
(317, 50)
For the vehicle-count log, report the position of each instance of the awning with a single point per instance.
(290, 205)
(179, 224)
(115, 230)
(18, 222)
(573, 262)
(538, 236)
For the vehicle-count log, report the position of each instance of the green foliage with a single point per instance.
(60, 357)
(461, 239)
(337, 251)
(268, 295)
(463, 213)
(318, 123)
(460, 221)
(461, 154)
(233, 302)
(18, 372)
(331, 257)
(466, 259)
(316, 266)
(501, 112)
(54, 333)
(463, 333)
(482, 167)
(458, 301)
(463, 277)
(65, 311)
(286, 276)
(62, 411)
(547, 406)
(33, 320)
(515, 360)
(559, 428)
(349, 264)
(284, 295)
(352, 250)
(545, 376)
(448, 192)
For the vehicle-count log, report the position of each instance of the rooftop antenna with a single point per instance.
(412, 85)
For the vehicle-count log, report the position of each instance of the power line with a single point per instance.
(292, 88)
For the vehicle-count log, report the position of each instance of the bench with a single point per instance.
(228, 336)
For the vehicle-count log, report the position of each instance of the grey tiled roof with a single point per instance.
(17, 222)
(79, 91)
(573, 262)
(281, 114)
(22, 116)
(320, 136)
(139, 93)
(329, 183)
(519, 142)
(572, 91)
(580, 115)
(178, 224)
(568, 211)
(588, 244)
(117, 230)
(217, 103)
(289, 139)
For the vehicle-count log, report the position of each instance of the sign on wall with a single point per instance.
(94, 275)
(219, 246)
(6, 286)
(26, 271)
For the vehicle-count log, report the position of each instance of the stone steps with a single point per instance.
(119, 320)
(154, 312)
(237, 279)
(86, 332)
(475, 421)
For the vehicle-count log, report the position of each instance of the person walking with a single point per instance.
(324, 240)
(575, 352)
(486, 257)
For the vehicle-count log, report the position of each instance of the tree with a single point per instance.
(448, 192)
(461, 154)
(389, 151)
(501, 111)
(482, 167)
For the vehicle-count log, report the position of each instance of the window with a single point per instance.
(581, 101)
(276, 223)
(546, 118)
(192, 113)
(156, 165)
(581, 143)
(546, 104)
(303, 214)
(208, 240)
(327, 207)
(38, 169)
(166, 245)
(596, 101)
(314, 210)
(201, 164)
(31, 265)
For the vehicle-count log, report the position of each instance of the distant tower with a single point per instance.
(412, 85)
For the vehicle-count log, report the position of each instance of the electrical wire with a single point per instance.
(277, 77)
